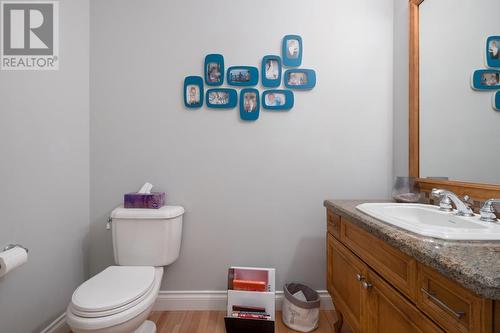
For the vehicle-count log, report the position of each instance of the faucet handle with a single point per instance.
(488, 211)
(444, 200)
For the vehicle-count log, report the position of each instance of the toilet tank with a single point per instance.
(146, 237)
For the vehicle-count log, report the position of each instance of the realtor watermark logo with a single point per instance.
(29, 35)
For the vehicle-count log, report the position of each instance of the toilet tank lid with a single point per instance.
(165, 212)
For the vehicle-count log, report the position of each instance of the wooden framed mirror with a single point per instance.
(480, 190)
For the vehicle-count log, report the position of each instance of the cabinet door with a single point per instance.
(347, 292)
(388, 311)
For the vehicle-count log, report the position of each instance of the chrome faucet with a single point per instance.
(446, 198)
(488, 211)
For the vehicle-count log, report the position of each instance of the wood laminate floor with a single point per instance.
(213, 322)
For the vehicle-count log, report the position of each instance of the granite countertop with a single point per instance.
(473, 264)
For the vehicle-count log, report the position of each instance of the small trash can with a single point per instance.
(300, 307)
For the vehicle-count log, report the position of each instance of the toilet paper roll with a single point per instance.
(12, 259)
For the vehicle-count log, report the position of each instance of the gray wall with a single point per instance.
(253, 192)
(450, 51)
(400, 88)
(44, 135)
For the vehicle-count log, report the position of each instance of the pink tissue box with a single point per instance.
(153, 200)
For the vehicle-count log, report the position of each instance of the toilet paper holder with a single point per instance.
(11, 246)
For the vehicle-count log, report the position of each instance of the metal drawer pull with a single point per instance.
(366, 285)
(432, 296)
(360, 277)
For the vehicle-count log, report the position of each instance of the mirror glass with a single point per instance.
(459, 126)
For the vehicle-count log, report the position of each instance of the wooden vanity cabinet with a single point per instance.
(378, 289)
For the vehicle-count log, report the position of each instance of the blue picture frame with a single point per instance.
(274, 78)
(278, 103)
(496, 101)
(493, 51)
(193, 100)
(301, 79)
(242, 76)
(249, 107)
(215, 101)
(486, 79)
(291, 50)
(214, 69)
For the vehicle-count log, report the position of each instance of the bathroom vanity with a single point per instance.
(385, 279)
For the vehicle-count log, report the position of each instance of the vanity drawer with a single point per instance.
(393, 265)
(450, 305)
(333, 223)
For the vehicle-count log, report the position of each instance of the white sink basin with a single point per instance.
(428, 220)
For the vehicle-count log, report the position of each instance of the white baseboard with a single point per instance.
(214, 300)
(190, 301)
(58, 326)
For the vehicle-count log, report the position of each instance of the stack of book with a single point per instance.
(248, 312)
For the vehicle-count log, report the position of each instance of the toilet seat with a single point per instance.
(114, 296)
(114, 290)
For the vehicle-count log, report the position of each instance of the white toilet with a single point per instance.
(120, 298)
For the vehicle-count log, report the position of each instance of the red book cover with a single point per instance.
(249, 285)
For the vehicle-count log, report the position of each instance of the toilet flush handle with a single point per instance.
(108, 223)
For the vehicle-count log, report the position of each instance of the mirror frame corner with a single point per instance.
(477, 191)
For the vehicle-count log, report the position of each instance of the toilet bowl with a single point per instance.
(117, 300)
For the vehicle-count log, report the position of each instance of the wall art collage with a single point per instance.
(247, 77)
